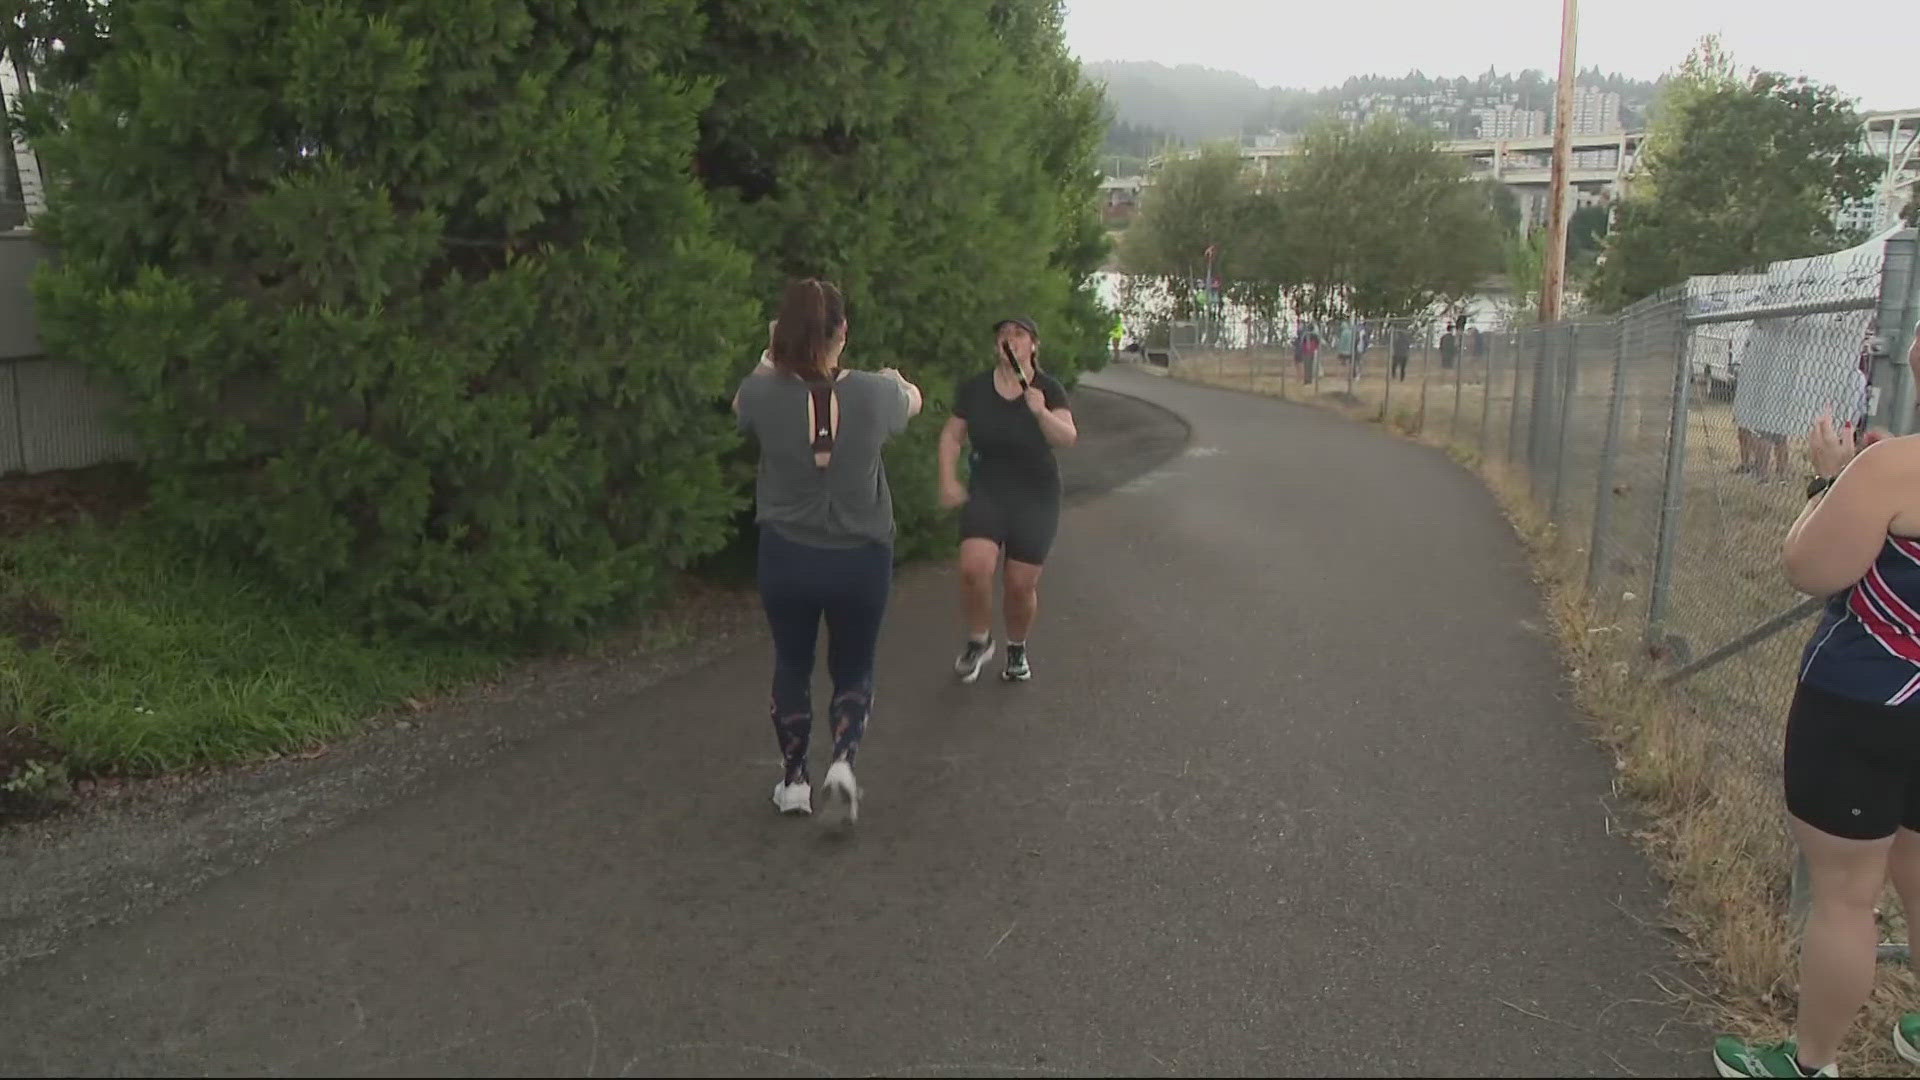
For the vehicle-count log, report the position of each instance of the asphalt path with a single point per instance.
(1295, 791)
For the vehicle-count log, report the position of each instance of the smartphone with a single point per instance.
(1007, 351)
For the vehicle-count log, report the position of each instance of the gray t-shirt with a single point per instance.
(848, 503)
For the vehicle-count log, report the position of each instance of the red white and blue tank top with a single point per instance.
(1867, 645)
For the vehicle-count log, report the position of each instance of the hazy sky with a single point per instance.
(1866, 47)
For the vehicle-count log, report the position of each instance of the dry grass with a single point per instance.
(1700, 759)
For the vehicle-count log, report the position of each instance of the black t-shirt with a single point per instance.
(1008, 445)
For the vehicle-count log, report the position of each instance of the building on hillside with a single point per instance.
(1595, 111)
(1504, 121)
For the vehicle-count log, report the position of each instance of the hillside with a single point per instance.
(1153, 104)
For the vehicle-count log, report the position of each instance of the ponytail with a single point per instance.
(812, 312)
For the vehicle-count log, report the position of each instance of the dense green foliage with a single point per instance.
(1369, 220)
(1738, 171)
(436, 309)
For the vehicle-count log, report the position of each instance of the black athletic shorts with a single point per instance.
(1020, 518)
(1853, 767)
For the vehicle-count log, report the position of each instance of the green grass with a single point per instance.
(163, 658)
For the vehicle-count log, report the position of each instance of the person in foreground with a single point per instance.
(1852, 760)
(826, 530)
(1014, 416)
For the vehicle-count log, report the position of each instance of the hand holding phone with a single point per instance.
(1018, 373)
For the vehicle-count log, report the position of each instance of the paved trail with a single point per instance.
(1294, 792)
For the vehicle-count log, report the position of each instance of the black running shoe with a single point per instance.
(972, 659)
(1017, 668)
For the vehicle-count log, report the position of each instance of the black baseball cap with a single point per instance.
(1020, 321)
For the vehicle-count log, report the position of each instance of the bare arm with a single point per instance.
(1057, 425)
(952, 437)
(1840, 533)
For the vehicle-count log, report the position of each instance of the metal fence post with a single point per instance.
(1426, 371)
(1513, 412)
(1459, 378)
(1899, 306)
(1675, 483)
(1542, 418)
(1569, 378)
(1386, 390)
(1609, 450)
(1486, 398)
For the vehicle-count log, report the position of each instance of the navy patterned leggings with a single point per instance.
(800, 584)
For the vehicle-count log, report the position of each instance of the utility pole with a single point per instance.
(1553, 288)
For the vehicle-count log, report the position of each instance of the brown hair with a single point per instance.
(812, 312)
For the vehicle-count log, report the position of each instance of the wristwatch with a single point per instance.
(1819, 484)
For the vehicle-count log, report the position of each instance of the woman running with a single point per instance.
(1852, 759)
(1014, 416)
(826, 529)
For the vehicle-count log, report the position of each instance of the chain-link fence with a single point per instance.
(1666, 446)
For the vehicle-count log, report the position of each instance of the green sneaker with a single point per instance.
(1737, 1057)
(1906, 1037)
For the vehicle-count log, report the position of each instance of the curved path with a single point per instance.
(1294, 792)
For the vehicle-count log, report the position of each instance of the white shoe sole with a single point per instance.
(801, 807)
(839, 806)
(973, 676)
(1904, 1048)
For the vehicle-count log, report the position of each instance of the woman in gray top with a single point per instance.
(826, 529)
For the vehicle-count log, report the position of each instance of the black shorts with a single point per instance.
(1852, 767)
(1021, 519)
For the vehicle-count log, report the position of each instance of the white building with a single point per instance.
(1595, 111)
(1506, 122)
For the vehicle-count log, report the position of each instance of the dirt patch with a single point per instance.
(30, 621)
(107, 494)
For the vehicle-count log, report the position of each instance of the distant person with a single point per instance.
(1449, 348)
(1313, 356)
(1344, 346)
(1400, 340)
(1013, 416)
(1852, 750)
(1477, 345)
(826, 529)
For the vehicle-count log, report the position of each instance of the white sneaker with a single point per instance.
(793, 798)
(839, 796)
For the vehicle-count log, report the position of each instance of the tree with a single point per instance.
(421, 312)
(1586, 235)
(1195, 204)
(1526, 261)
(1502, 203)
(1380, 224)
(441, 314)
(58, 40)
(943, 169)
(1738, 172)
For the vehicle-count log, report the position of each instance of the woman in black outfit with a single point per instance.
(1014, 416)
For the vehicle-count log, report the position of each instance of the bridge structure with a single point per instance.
(1602, 165)
(1893, 138)
(1597, 159)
